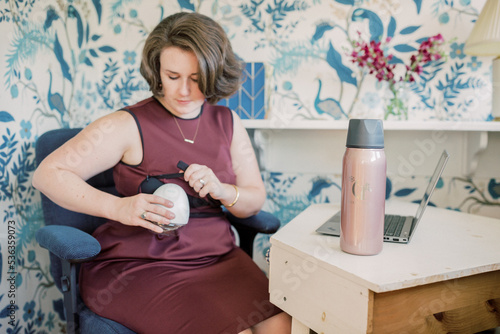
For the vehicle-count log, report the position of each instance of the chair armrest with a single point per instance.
(262, 222)
(68, 243)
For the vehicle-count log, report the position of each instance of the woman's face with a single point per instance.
(179, 79)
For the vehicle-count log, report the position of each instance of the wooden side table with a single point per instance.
(446, 280)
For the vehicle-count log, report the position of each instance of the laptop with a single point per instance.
(397, 228)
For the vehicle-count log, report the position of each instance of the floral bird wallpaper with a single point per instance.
(66, 63)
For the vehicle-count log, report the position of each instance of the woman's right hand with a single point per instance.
(142, 209)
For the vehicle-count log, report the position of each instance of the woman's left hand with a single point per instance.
(203, 180)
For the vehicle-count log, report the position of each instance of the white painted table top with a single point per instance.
(447, 245)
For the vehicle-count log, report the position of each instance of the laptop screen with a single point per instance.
(432, 185)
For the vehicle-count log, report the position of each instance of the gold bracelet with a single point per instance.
(236, 198)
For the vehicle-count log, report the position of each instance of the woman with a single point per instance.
(197, 280)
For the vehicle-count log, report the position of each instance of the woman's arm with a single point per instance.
(252, 193)
(101, 145)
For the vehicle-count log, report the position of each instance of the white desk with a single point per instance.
(446, 279)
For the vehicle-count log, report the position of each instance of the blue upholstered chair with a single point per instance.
(67, 236)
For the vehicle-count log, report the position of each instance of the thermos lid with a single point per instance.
(365, 133)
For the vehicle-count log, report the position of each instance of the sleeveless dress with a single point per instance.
(197, 281)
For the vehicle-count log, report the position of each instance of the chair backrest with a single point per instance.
(54, 214)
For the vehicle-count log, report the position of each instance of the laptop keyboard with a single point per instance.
(393, 224)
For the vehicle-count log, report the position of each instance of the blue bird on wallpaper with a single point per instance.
(51, 17)
(187, 4)
(55, 100)
(375, 24)
(321, 28)
(328, 106)
(494, 189)
(319, 184)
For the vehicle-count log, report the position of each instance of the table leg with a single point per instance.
(298, 327)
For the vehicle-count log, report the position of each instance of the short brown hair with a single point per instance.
(220, 71)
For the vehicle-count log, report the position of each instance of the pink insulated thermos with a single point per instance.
(363, 188)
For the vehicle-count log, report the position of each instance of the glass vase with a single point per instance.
(396, 102)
